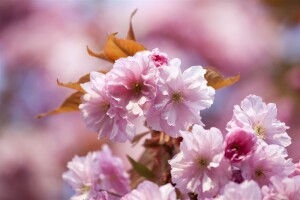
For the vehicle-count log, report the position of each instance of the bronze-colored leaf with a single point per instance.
(76, 85)
(217, 81)
(116, 48)
(100, 55)
(69, 105)
(130, 34)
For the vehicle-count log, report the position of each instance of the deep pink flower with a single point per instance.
(254, 115)
(150, 191)
(98, 171)
(265, 162)
(248, 190)
(158, 58)
(181, 96)
(238, 144)
(102, 117)
(132, 83)
(285, 189)
(199, 167)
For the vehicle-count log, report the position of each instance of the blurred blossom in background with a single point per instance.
(41, 41)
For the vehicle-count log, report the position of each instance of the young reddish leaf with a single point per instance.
(217, 81)
(69, 105)
(141, 169)
(130, 34)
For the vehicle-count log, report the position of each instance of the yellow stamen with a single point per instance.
(260, 132)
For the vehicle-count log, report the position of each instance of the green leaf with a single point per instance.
(141, 169)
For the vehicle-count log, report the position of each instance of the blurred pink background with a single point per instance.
(44, 40)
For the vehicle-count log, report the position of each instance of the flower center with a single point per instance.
(259, 173)
(177, 97)
(105, 107)
(203, 163)
(137, 88)
(85, 189)
(260, 132)
(235, 146)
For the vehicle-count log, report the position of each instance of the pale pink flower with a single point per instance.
(181, 96)
(150, 191)
(132, 83)
(113, 176)
(282, 189)
(238, 144)
(248, 190)
(253, 114)
(102, 117)
(297, 170)
(98, 171)
(98, 195)
(265, 162)
(199, 167)
(82, 174)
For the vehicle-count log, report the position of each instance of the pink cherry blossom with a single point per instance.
(248, 190)
(199, 167)
(98, 171)
(286, 189)
(158, 58)
(181, 96)
(132, 83)
(150, 191)
(297, 170)
(99, 115)
(82, 174)
(238, 144)
(253, 114)
(265, 162)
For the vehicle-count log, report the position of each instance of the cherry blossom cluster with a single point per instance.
(247, 162)
(148, 85)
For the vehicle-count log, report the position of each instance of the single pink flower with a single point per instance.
(113, 176)
(98, 171)
(158, 58)
(238, 144)
(285, 189)
(199, 167)
(150, 191)
(132, 83)
(265, 162)
(180, 98)
(248, 190)
(82, 174)
(254, 115)
(100, 115)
